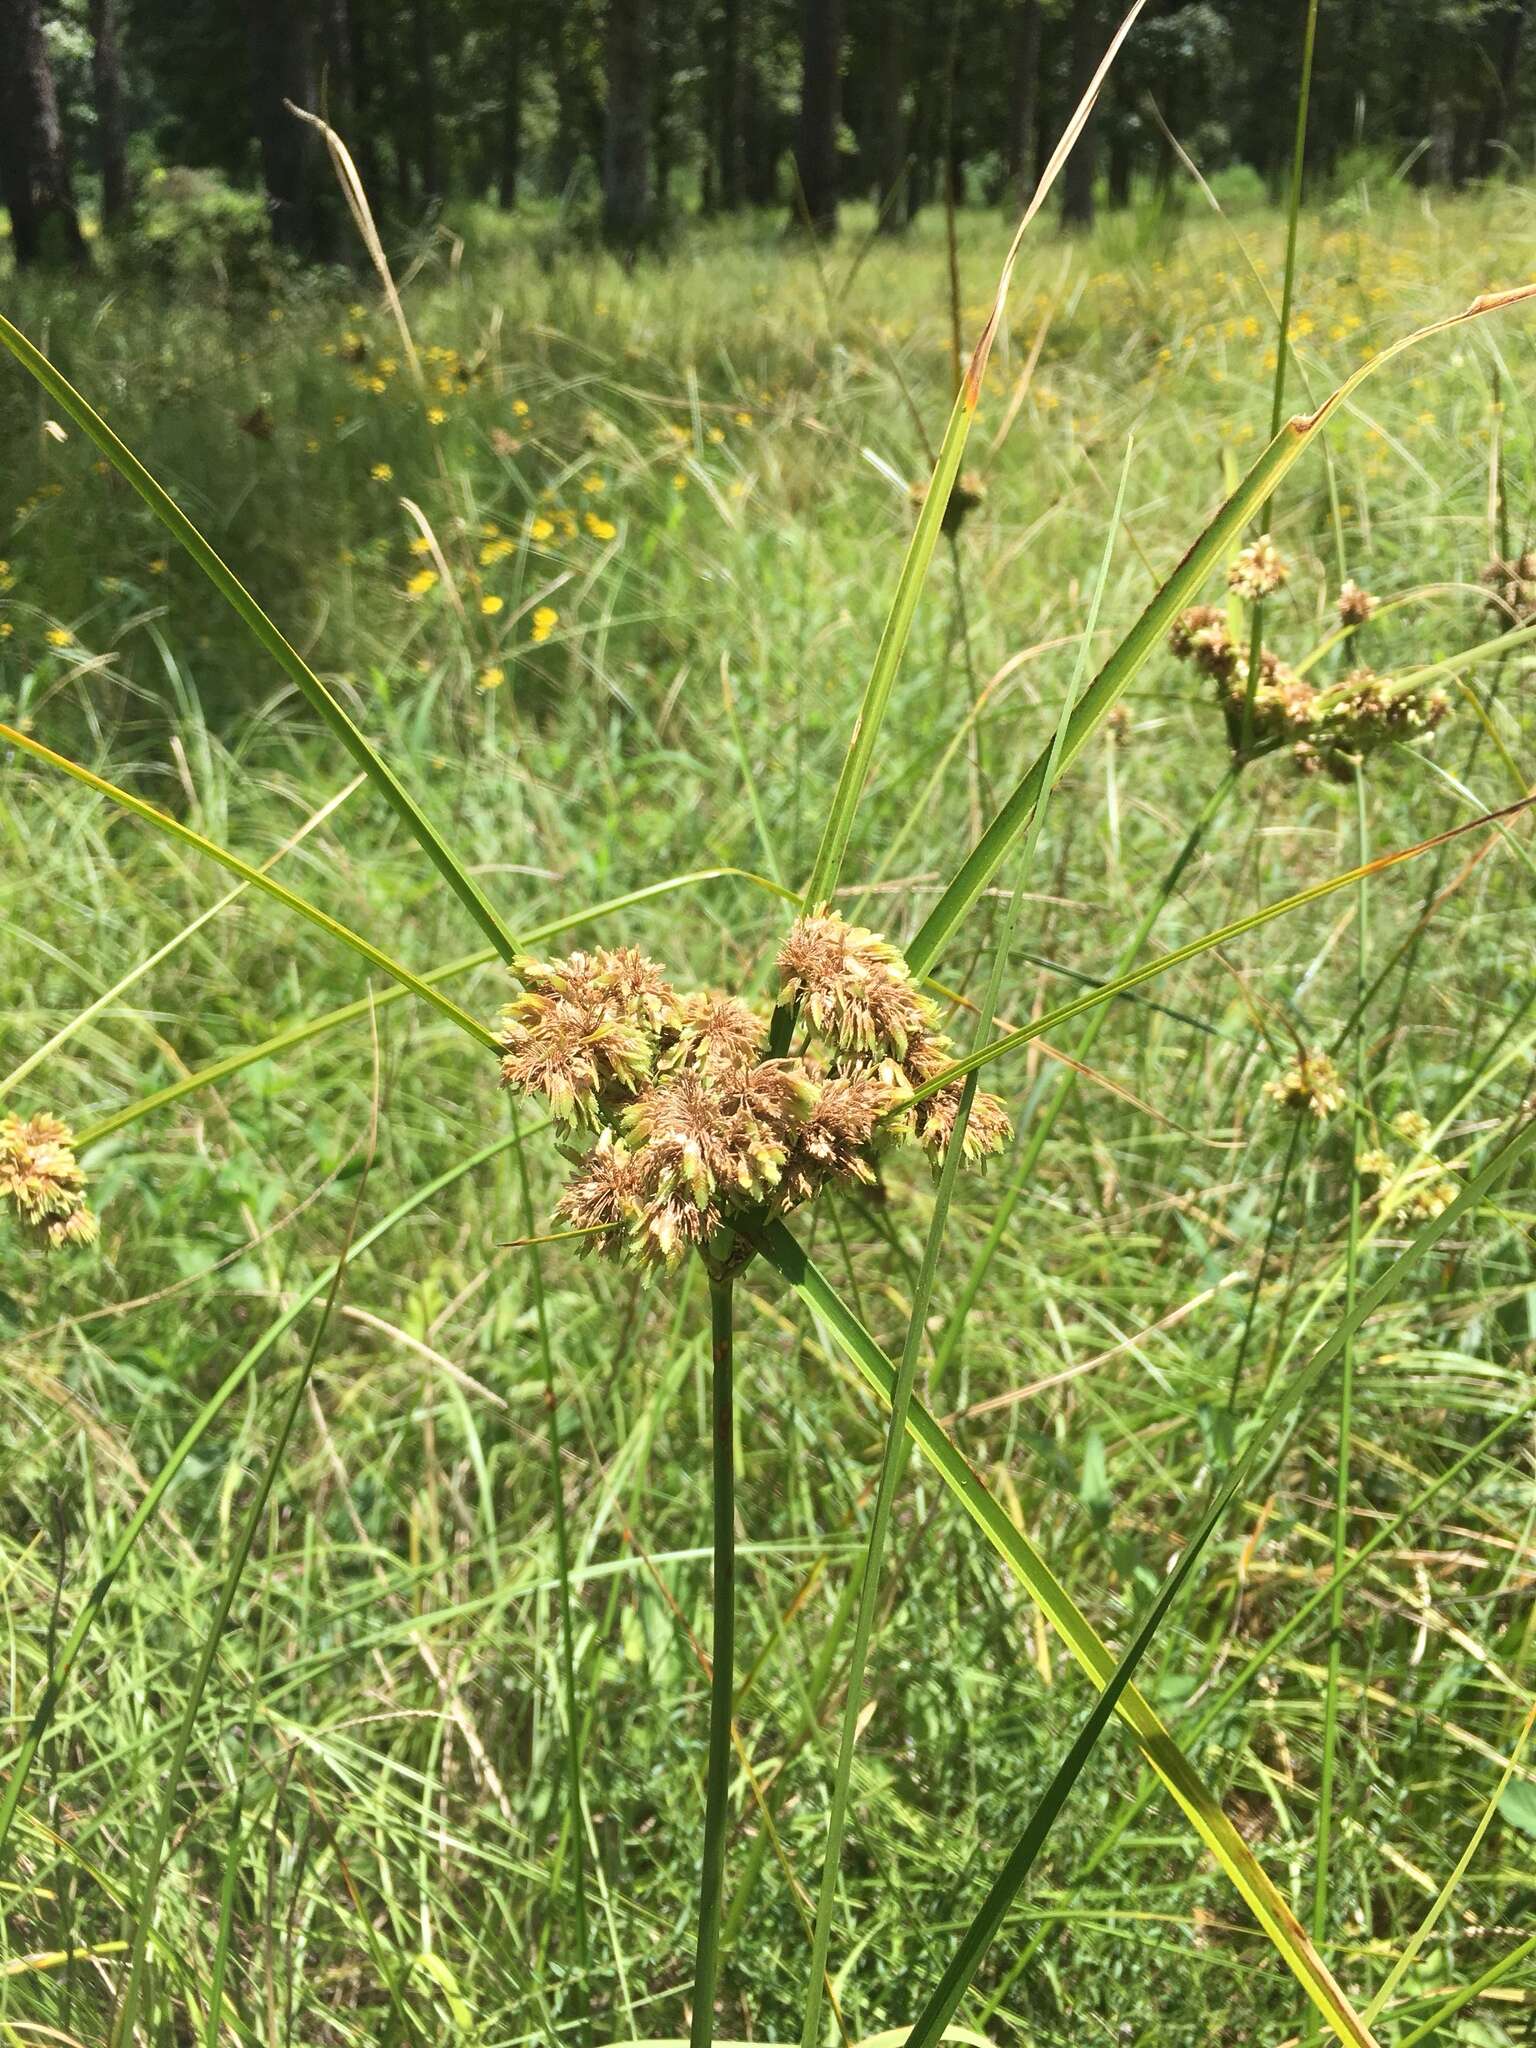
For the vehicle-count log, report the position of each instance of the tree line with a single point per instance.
(638, 111)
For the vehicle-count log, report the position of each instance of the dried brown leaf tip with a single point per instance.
(695, 1125)
(42, 1177)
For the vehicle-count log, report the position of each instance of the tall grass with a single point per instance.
(443, 1778)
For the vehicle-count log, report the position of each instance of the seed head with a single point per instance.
(1311, 1082)
(45, 1181)
(987, 1130)
(1354, 604)
(606, 1195)
(837, 1139)
(1512, 587)
(1259, 570)
(854, 986)
(714, 1030)
(1200, 635)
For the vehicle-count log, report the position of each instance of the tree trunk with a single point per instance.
(107, 89)
(34, 163)
(816, 146)
(1077, 179)
(1506, 31)
(730, 147)
(1122, 158)
(1023, 107)
(335, 81)
(290, 150)
(890, 150)
(361, 143)
(511, 112)
(425, 95)
(627, 125)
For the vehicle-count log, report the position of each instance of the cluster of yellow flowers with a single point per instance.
(693, 1123)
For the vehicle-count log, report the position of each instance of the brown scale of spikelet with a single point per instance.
(45, 1181)
(1354, 605)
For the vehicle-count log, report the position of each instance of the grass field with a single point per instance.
(604, 588)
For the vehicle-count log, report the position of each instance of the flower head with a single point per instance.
(1354, 605)
(1310, 1083)
(45, 1181)
(853, 985)
(1259, 570)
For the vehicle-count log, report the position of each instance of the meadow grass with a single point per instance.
(610, 616)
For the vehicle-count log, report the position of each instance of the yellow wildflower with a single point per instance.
(545, 620)
(491, 605)
(541, 528)
(381, 473)
(423, 581)
(58, 636)
(493, 677)
(600, 529)
(435, 415)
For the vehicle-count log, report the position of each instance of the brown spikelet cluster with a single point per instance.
(1329, 730)
(1512, 587)
(45, 1181)
(1259, 571)
(693, 1124)
(1310, 1085)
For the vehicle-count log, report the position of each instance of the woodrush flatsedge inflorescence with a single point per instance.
(1329, 730)
(693, 1124)
(46, 1183)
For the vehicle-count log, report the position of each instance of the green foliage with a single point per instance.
(194, 230)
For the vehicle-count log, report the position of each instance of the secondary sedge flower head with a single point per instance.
(1310, 1084)
(46, 1183)
(1354, 605)
(1259, 570)
(694, 1124)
